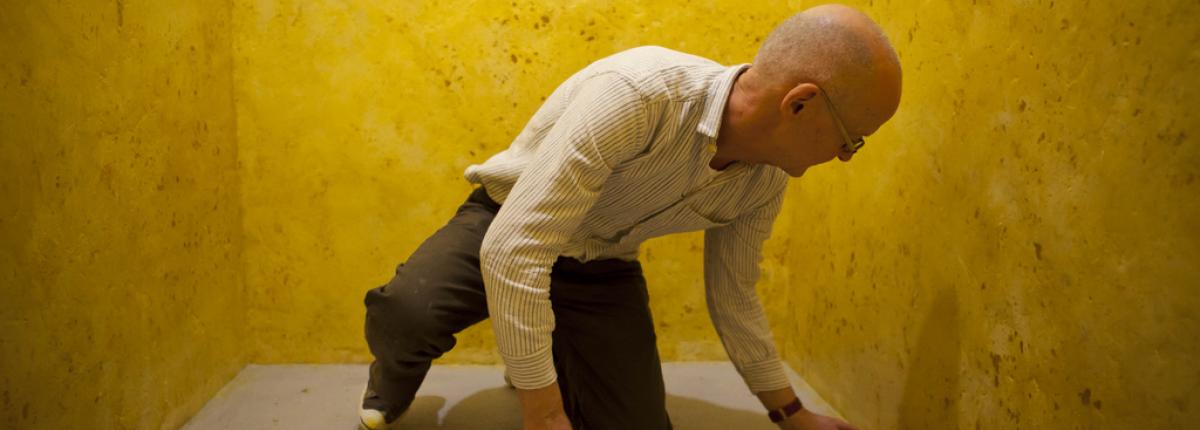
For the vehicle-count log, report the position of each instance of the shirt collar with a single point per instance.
(718, 95)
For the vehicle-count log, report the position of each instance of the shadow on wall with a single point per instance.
(930, 399)
(494, 409)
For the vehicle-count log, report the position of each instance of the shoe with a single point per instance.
(373, 413)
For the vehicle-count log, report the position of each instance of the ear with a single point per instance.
(794, 100)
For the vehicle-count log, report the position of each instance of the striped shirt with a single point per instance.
(618, 154)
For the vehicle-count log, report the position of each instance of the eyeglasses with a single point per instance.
(849, 146)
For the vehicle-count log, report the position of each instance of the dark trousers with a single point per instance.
(604, 348)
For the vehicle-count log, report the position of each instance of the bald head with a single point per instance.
(841, 50)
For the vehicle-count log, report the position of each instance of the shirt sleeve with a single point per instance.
(602, 125)
(731, 256)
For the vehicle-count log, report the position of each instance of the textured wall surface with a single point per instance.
(356, 120)
(1020, 247)
(121, 300)
(1017, 249)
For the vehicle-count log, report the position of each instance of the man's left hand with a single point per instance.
(805, 420)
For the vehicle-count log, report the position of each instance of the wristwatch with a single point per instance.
(787, 410)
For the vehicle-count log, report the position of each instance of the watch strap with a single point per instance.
(787, 410)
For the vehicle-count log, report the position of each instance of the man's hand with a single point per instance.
(805, 420)
(542, 409)
(802, 420)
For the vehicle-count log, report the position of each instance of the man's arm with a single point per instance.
(731, 257)
(604, 124)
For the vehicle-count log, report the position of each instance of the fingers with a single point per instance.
(842, 425)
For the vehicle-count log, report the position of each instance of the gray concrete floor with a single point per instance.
(700, 396)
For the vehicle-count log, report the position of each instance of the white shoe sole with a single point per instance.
(370, 419)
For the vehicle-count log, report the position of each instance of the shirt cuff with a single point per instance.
(533, 371)
(765, 376)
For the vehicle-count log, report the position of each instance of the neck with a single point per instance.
(736, 136)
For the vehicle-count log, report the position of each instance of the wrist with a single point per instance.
(541, 403)
(775, 399)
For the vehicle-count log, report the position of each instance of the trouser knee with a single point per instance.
(400, 325)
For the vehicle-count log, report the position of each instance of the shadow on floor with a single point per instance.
(700, 396)
(496, 409)
(688, 414)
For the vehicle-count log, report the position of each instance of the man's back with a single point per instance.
(665, 185)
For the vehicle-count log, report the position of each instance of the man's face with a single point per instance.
(808, 135)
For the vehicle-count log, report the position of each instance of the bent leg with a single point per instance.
(435, 294)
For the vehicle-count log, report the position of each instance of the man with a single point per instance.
(640, 144)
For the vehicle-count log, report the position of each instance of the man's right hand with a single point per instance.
(542, 409)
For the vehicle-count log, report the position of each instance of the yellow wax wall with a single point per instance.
(1016, 249)
(1020, 247)
(121, 300)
